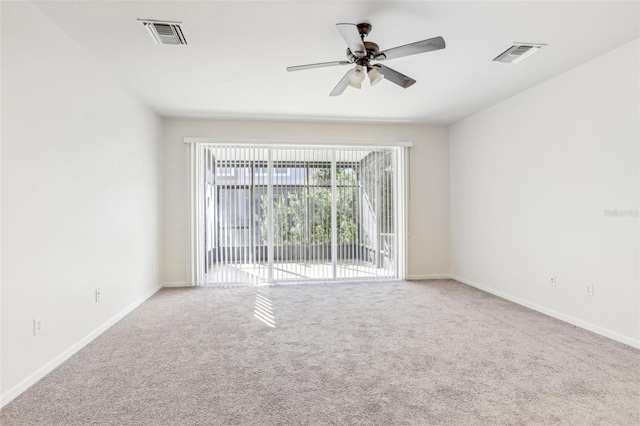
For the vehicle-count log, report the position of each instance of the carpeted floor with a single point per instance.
(435, 352)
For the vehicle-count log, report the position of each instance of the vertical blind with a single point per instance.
(263, 214)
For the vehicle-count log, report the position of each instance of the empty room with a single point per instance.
(320, 212)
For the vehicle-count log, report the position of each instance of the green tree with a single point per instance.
(290, 210)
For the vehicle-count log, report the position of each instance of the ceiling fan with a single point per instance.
(362, 52)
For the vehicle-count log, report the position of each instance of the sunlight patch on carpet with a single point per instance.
(263, 309)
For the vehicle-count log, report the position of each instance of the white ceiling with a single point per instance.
(234, 65)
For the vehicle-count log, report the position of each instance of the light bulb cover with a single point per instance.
(374, 76)
(357, 75)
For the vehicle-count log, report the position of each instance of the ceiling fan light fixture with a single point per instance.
(357, 77)
(374, 76)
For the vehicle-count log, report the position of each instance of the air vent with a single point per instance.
(518, 52)
(164, 32)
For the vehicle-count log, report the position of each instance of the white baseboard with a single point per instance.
(177, 285)
(12, 393)
(428, 277)
(555, 314)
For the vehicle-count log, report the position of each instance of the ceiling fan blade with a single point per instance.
(351, 35)
(423, 46)
(318, 65)
(337, 91)
(394, 76)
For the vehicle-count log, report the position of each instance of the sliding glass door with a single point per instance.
(275, 214)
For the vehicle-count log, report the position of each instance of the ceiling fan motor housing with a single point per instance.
(372, 51)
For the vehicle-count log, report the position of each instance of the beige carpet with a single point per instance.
(435, 352)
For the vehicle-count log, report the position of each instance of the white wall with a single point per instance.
(428, 209)
(81, 197)
(531, 178)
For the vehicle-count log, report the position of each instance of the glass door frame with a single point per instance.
(400, 186)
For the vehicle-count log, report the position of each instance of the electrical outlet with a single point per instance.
(552, 281)
(98, 294)
(37, 326)
(588, 290)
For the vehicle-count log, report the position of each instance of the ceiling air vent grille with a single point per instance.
(518, 52)
(164, 32)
